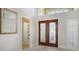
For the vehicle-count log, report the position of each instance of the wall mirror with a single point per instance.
(8, 21)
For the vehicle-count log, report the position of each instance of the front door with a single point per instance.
(48, 33)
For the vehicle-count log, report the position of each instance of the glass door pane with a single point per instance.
(43, 32)
(52, 32)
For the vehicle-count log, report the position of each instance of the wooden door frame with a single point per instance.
(47, 33)
(40, 43)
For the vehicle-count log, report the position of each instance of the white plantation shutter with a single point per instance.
(72, 33)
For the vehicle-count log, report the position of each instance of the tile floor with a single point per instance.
(45, 48)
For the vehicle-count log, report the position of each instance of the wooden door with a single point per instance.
(48, 33)
(25, 32)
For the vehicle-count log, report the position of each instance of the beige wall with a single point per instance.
(14, 41)
(62, 29)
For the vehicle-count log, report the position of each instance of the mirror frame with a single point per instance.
(1, 18)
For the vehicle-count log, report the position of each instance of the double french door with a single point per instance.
(48, 33)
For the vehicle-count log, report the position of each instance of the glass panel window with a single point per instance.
(47, 11)
(43, 32)
(52, 32)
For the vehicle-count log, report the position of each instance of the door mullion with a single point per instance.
(47, 33)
